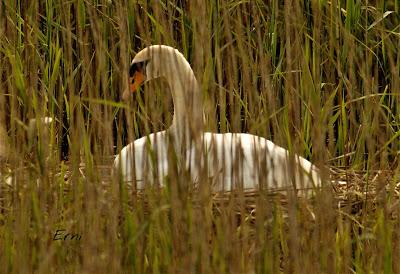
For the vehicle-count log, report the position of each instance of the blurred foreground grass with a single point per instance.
(320, 78)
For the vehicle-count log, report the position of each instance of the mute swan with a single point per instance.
(233, 160)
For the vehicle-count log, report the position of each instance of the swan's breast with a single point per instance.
(143, 158)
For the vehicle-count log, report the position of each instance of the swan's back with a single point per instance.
(248, 161)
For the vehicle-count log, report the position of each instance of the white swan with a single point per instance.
(231, 160)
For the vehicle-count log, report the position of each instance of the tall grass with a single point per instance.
(320, 78)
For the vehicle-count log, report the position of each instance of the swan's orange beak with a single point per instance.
(136, 78)
(135, 81)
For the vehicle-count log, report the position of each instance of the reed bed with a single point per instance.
(320, 78)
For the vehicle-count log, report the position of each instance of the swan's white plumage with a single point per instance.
(261, 162)
(230, 160)
(135, 160)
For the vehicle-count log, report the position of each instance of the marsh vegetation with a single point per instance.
(320, 78)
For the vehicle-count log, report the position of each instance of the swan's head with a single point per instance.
(153, 62)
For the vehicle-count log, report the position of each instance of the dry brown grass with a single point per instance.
(320, 78)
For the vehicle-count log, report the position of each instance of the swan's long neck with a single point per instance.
(187, 123)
